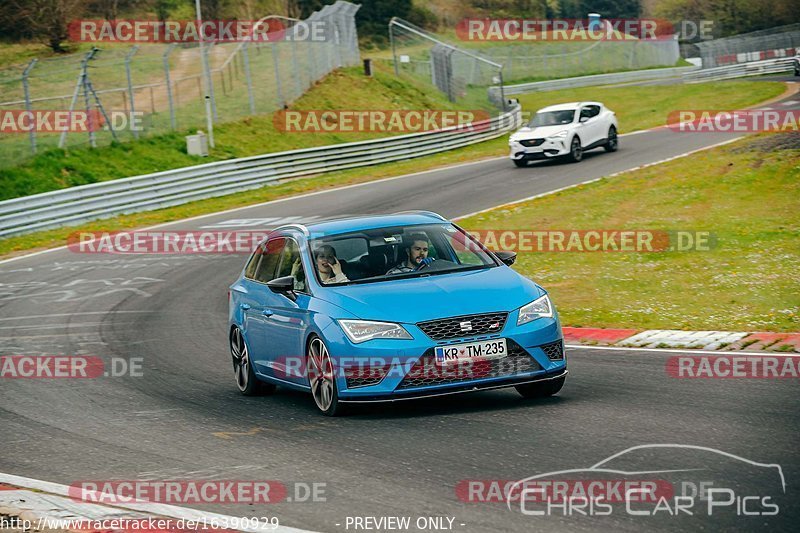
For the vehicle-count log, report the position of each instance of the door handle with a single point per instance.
(245, 306)
(267, 312)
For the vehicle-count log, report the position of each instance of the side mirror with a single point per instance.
(583, 119)
(284, 285)
(509, 258)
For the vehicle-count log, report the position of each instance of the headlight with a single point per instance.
(363, 330)
(539, 308)
(560, 135)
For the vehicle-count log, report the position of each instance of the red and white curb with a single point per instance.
(666, 338)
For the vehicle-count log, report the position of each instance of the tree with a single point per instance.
(48, 20)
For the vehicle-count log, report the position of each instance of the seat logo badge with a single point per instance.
(466, 326)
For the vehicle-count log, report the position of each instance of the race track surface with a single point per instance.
(184, 419)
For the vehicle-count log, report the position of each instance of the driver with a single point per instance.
(416, 255)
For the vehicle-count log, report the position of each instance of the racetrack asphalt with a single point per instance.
(184, 419)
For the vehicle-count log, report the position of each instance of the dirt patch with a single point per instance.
(771, 142)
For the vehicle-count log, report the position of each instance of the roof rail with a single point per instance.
(421, 212)
(301, 227)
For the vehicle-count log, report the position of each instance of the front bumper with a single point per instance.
(499, 384)
(547, 150)
(405, 364)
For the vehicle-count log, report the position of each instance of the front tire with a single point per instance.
(521, 163)
(575, 150)
(541, 389)
(322, 378)
(246, 380)
(612, 144)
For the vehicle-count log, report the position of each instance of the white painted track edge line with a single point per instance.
(161, 509)
(304, 195)
(633, 169)
(685, 351)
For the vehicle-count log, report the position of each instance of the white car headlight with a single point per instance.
(560, 135)
(363, 330)
(539, 308)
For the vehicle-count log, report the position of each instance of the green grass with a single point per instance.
(344, 89)
(636, 107)
(744, 193)
(641, 107)
(58, 237)
(253, 136)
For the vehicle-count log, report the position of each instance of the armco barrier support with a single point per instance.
(84, 203)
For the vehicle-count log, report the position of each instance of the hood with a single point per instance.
(438, 296)
(538, 133)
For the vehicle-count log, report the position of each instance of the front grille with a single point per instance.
(531, 142)
(426, 372)
(364, 376)
(554, 350)
(463, 326)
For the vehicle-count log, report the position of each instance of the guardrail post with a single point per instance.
(26, 90)
(128, 57)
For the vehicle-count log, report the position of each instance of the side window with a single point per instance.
(586, 112)
(594, 110)
(250, 270)
(292, 266)
(463, 249)
(269, 261)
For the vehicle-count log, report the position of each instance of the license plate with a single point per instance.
(455, 353)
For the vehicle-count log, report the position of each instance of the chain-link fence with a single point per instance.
(552, 60)
(468, 70)
(164, 83)
(463, 75)
(781, 41)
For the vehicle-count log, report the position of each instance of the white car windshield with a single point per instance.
(552, 118)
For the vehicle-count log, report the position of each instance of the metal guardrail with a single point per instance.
(740, 70)
(174, 187)
(597, 79)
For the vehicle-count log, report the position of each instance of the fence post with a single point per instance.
(248, 79)
(298, 86)
(281, 101)
(130, 87)
(26, 90)
(89, 122)
(165, 58)
(210, 79)
(394, 48)
(78, 85)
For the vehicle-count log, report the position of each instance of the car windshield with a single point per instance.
(396, 252)
(552, 118)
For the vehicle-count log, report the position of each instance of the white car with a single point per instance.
(565, 130)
